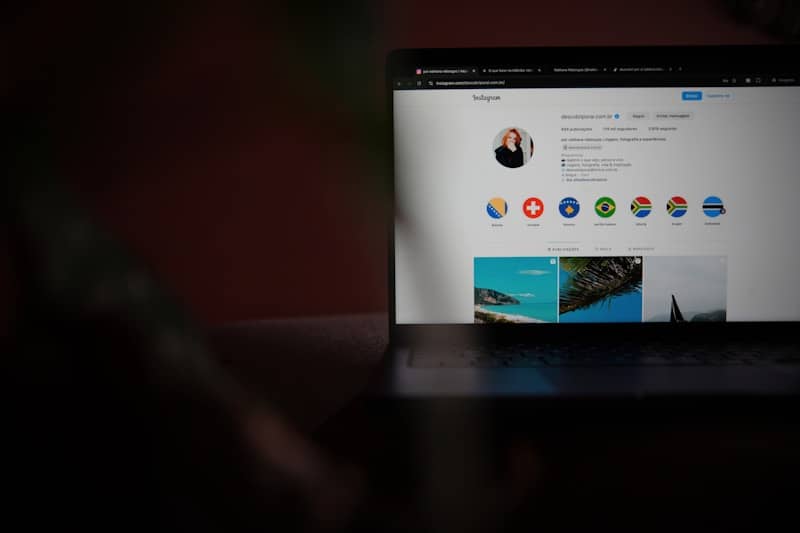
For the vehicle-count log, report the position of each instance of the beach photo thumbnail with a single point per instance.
(516, 289)
(600, 289)
(685, 289)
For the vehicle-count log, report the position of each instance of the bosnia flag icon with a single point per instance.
(497, 207)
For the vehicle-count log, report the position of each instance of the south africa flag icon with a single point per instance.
(677, 206)
(605, 207)
(713, 206)
(641, 206)
(497, 208)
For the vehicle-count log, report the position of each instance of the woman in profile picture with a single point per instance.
(509, 153)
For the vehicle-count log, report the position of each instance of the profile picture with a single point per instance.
(513, 147)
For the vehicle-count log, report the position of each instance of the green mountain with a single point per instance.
(492, 297)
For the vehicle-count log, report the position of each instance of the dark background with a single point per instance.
(236, 147)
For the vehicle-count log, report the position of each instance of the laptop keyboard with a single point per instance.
(522, 356)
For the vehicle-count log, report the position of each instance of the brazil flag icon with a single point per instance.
(605, 207)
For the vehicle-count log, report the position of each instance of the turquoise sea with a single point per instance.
(546, 312)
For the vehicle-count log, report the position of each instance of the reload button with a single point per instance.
(695, 96)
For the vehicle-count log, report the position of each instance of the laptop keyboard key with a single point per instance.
(619, 355)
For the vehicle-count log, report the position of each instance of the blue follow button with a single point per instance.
(692, 95)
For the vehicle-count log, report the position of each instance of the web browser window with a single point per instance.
(673, 203)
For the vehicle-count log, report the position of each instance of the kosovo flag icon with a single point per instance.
(569, 207)
(497, 207)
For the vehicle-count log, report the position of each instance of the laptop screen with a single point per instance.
(651, 188)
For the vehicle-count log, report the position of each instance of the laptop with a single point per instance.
(594, 222)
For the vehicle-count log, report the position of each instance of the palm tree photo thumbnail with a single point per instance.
(589, 282)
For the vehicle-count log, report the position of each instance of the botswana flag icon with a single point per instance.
(677, 206)
(713, 206)
(641, 206)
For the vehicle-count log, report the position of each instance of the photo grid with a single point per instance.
(600, 289)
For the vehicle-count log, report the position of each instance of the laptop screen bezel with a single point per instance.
(723, 58)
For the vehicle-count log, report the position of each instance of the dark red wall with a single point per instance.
(252, 194)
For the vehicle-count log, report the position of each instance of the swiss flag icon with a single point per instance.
(533, 207)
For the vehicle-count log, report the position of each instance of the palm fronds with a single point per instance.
(598, 279)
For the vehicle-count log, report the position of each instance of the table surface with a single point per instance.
(459, 465)
(309, 368)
